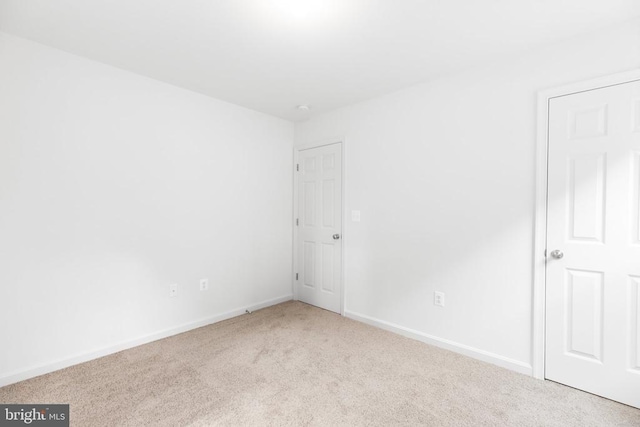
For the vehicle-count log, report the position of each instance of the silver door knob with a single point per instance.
(336, 236)
(557, 254)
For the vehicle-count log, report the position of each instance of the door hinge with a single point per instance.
(298, 167)
(296, 276)
(297, 221)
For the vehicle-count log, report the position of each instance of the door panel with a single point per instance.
(583, 329)
(328, 208)
(586, 193)
(634, 322)
(309, 211)
(309, 264)
(320, 211)
(328, 260)
(594, 221)
(635, 184)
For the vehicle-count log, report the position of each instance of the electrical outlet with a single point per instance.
(438, 298)
(204, 284)
(173, 290)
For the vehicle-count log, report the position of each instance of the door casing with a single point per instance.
(540, 233)
(344, 234)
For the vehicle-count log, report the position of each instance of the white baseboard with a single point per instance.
(15, 377)
(485, 356)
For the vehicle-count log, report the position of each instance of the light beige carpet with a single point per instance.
(293, 364)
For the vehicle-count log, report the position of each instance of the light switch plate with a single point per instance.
(438, 298)
(355, 216)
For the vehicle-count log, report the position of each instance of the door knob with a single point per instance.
(557, 254)
(336, 236)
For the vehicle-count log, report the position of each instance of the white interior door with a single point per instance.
(593, 242)
(319, 222)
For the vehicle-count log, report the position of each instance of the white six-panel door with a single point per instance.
(319, 223)
(593, 242)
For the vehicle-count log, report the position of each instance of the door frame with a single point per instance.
(540, 232)
(343, 234)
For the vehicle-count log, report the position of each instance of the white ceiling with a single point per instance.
(271, 55)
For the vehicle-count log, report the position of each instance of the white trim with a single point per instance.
(294, 234)
(485, 356)
(345, 231)
(26, 374)
(540, 233)
(540, 241)
(296, 157)
(321, 143)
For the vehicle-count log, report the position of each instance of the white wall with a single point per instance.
(113, 186)
(443, 174)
